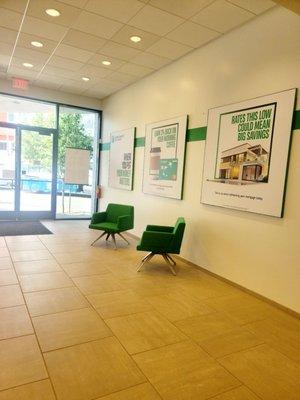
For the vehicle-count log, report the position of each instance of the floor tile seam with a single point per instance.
(44, 290)
(24, 384)
(119, 391)
(36, 338)
(123, 315)
(37, 273)
(57, 312)
(18, 336)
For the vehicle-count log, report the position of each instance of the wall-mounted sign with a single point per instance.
(19, 83)
(246, 154)
(164, 157)
(121, 159)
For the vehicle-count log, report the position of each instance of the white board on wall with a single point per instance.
(77, 166)
(246, 154)
(121, 159)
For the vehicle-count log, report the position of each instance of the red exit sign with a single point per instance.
(19, 83)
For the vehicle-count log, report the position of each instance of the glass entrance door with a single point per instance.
(27, 173)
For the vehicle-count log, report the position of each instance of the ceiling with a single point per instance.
(88, 32)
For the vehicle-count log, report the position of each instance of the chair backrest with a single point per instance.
(178, 232)
(117, 210)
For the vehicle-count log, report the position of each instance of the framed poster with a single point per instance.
(121, 159)
(164, 157)
(246, 154)
(77, 166)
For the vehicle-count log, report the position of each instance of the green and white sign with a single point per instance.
(164, 157)
(246, 154)
(121, 159)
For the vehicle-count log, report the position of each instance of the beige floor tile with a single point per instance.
(6, 263)
(144, 331)
(92, 370)
(31, 255)
(54, 301)
(67, 328)
(10, 296)
(140, 392)
(21, 362)
(2, 242)
(98, 284)
(41, 390)
(205, 326)
(236, 340)
(282, 335)
(268, 373)
(240, 393)
(4, 252)
(35, 267)
(45, 281)
(24, 246)
(21, 239)
(14, 321)
(145, 287)
(175, 310)
(8, 277)
(84, 269)
(73, 257)
(183, 371)
(118, 303)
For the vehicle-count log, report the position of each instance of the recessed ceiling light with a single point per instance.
(135, 39)
(36, 44)
(52, 12)
(85, 78)
(27, 65)
(106, 62)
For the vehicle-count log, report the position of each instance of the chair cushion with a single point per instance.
(105, 226)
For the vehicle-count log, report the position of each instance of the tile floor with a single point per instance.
(78, 323)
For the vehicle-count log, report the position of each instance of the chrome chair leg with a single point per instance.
(171, 259)
(102, 234)
(120, 234)
(144, 260)
(107, 236)
(114, 240)
(165, 256)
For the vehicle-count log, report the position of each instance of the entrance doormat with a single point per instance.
(18, 228)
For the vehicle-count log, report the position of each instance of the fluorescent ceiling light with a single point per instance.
(27, 65)
(135, 39)
(52, 12)
(106, 62)
(36, 44)
(85, 78)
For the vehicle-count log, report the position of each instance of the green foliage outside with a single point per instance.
(37, 150)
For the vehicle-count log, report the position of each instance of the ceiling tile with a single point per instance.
(66, 63)
(255, 6)
(76, 3)
(47, 84)
(135, 70)
(8, 35)
(168, 48)
(222, 16)
(99, 94)
(184, 9)
(22, 73)
(35, 26)
(74, 53)
(123, 36)
(25, 40)
(120, 10)
(15, 5)
(107, 85)
(93, 72)
(121, 77)
(68, 14)
(18, 63)
(59, 72)
(10, 19)
(30, 55)
(119, 51)
(97, 25)
(150, 60)
(153, 20)
(83, 40)
(4, 61)
(97, 59)
(71, 89)
(192, 34)
(6, 48)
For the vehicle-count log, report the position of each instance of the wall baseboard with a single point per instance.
(221, 278)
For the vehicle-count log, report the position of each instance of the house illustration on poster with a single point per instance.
(244, 163)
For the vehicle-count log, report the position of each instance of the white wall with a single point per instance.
(258, 252)
(51, 95)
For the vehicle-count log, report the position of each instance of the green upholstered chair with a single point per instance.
(116, 219)
(162, 240)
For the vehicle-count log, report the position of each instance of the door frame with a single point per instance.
(17, 213)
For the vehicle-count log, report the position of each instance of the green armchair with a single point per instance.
(116, 219)
(162, 240)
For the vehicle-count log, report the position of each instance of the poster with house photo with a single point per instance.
(246, 154)
(164, 157)
(121, 159)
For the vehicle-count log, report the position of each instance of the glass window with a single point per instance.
(27, 112)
